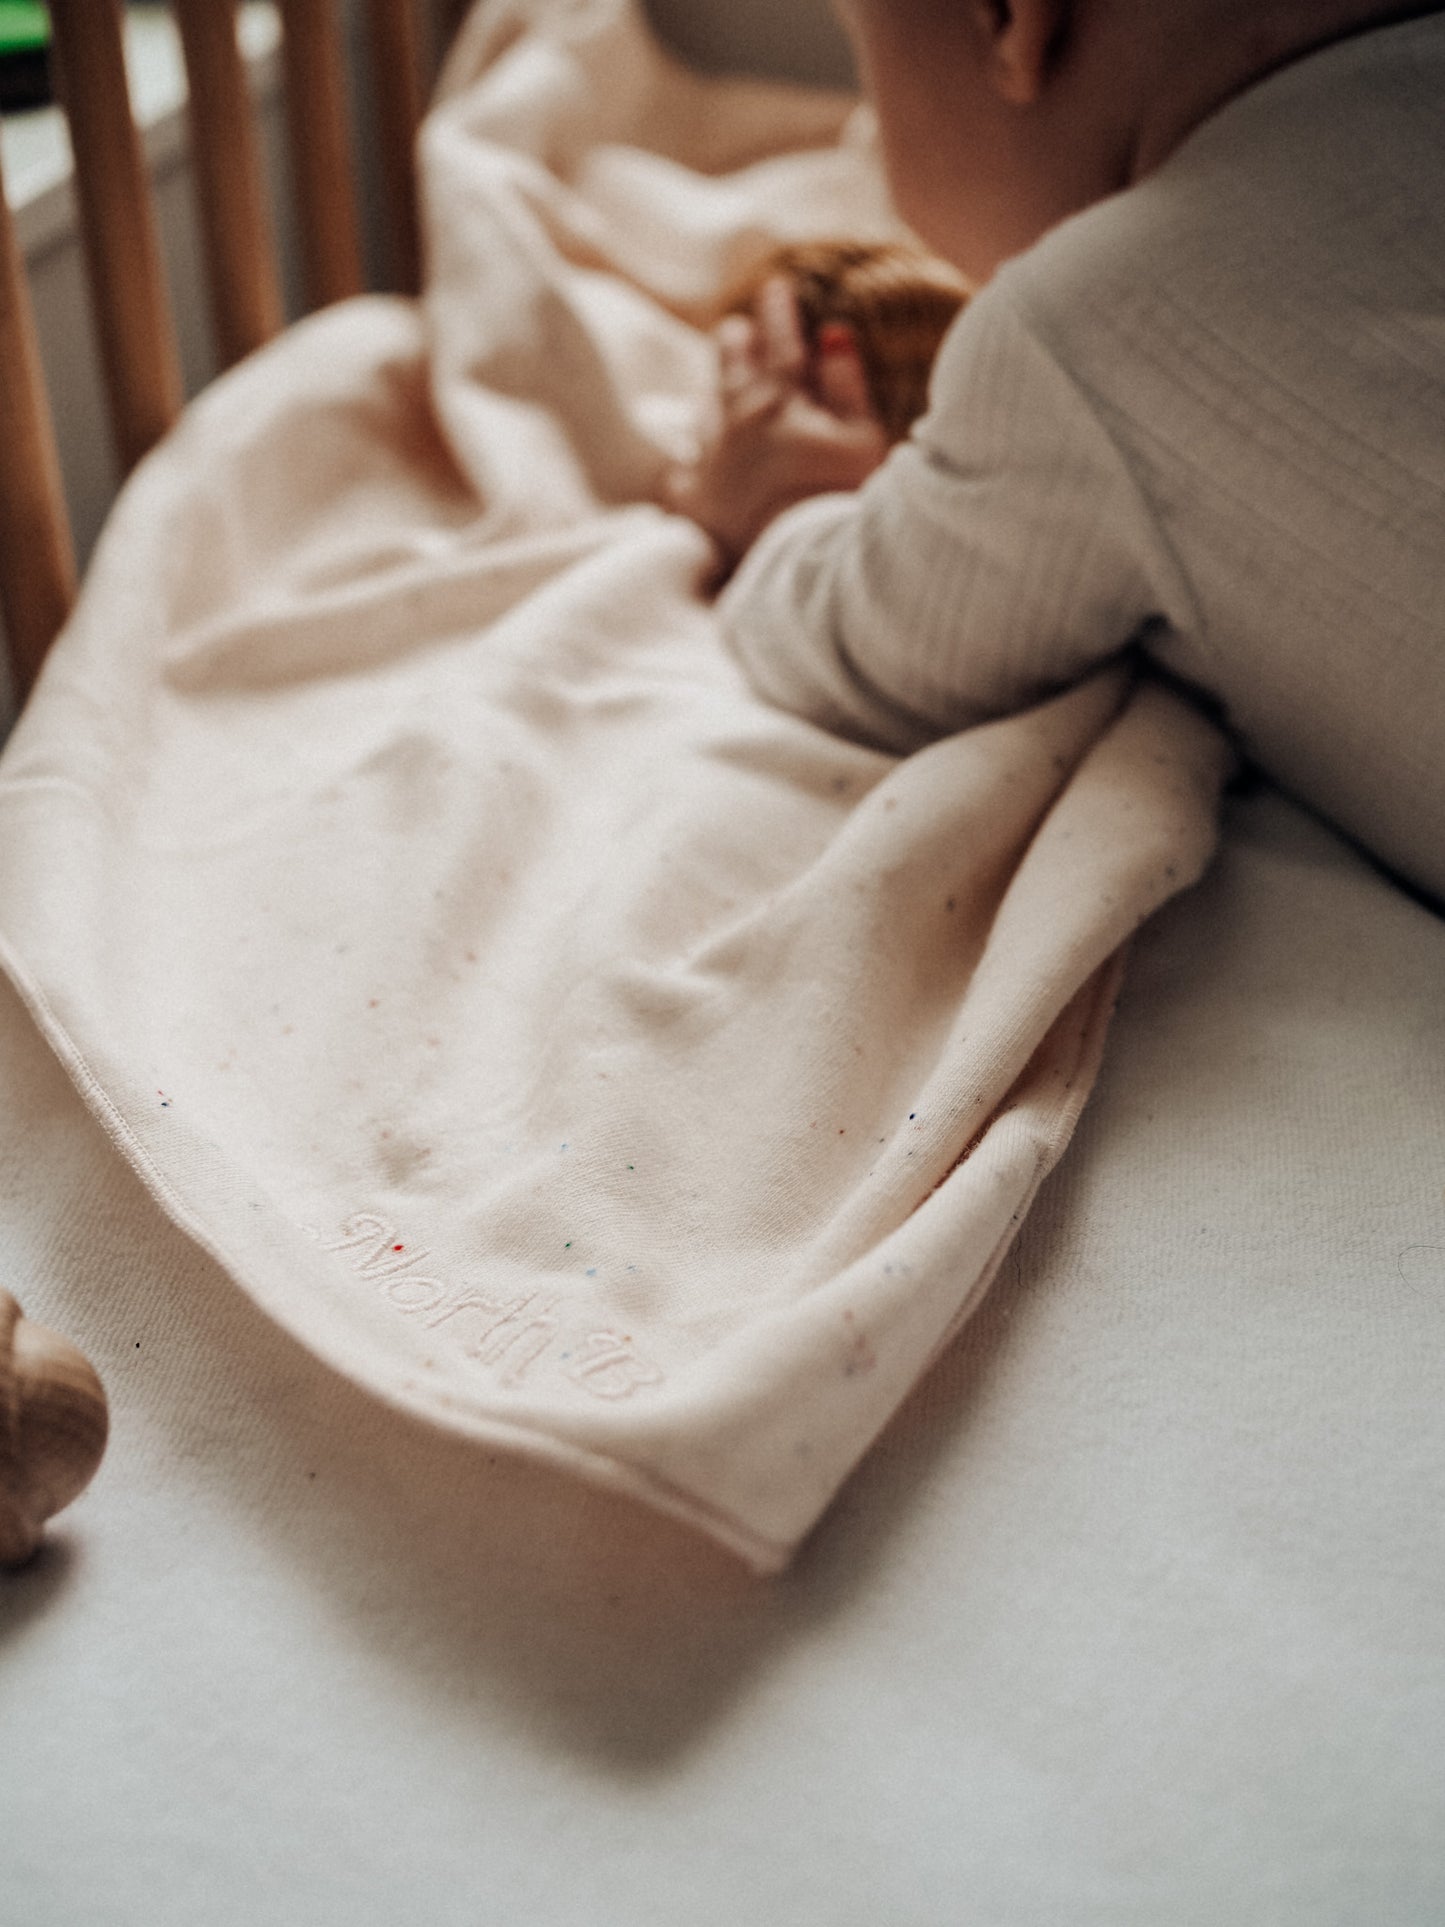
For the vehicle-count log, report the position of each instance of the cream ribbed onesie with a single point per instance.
(1205, 417)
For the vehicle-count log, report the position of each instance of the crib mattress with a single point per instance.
(1132, 1616)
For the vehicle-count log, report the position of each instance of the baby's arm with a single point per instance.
(1001, 553)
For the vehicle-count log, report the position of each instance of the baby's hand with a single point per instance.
(789, 424)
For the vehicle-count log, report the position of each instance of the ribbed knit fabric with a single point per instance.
(1207, 416)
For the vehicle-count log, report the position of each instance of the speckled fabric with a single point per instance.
(566, 1045)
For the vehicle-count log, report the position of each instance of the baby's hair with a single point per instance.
(897, 299)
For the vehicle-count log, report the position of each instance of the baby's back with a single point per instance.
(1260, 326)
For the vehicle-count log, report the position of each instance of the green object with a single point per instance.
(24, 51)
(24, 27)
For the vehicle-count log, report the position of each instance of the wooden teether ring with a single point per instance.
(898, 301)
(53, 1425)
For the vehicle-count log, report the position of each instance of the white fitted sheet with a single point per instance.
(1132, 1617)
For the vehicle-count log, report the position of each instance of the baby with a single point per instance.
(1196, 411)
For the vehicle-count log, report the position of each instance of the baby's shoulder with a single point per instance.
(1322, 185)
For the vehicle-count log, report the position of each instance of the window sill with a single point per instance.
(35, 144)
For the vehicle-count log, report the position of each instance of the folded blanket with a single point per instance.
(569, 1047)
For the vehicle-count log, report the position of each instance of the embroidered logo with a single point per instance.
(612, 1368)
(507, 1336)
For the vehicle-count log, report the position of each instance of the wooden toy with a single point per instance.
(53, 1426)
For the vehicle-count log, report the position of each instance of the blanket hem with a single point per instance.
(763, 1556)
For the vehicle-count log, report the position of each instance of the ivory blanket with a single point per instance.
(571, 1049)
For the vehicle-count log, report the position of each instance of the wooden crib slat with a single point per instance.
(235, 225)
(396, 66)
(447, 17)
(132, 309)
(37, 557)
(321, 154)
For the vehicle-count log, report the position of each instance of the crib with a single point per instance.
(405, 40)
(131, 305)
(1132, 1615)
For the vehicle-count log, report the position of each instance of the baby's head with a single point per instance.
(897, 300)
(1000, 117)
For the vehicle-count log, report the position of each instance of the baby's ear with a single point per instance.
(1023, 36)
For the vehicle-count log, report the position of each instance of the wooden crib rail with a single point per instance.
(134, 324)
(132, 313)
(396, 53)
(245, 285)
(37, 559)
(321, 150)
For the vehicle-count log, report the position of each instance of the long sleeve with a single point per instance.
(1001, 553)
(1205, 416)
